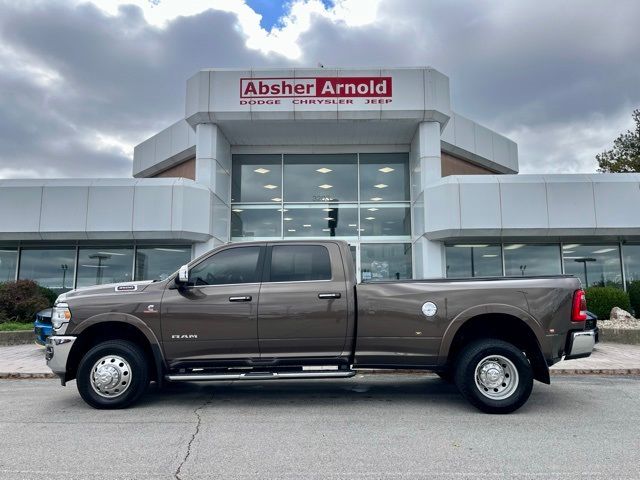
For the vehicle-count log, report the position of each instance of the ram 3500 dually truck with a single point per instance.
(292, 309)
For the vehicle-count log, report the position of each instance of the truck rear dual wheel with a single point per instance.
(494, 376)
(113, 374)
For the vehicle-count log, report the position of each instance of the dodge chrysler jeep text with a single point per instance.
(282, 310)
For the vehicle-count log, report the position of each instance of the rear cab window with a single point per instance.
(299, 263)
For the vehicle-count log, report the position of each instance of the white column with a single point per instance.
(426, 168)
(213, 170)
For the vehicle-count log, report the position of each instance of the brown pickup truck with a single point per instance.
(283, 310)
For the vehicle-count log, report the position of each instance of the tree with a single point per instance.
(624, 157)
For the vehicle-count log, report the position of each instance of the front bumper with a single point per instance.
(581, 344)
(57, 352)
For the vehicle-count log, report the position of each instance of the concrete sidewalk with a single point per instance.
(27, 361)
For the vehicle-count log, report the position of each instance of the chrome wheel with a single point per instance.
(111, 376)
(496, 377)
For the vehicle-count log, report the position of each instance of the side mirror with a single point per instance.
(183, 275)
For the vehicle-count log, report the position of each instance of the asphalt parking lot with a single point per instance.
(372, 426)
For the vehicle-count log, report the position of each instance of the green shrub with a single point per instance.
(633, 289)
(21, 300)
(600, 300)
(15, 327)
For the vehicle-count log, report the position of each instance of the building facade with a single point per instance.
(372, 156)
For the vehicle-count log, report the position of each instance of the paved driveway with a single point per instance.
(376, 426)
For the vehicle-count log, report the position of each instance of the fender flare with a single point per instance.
(539, 364)
(134, 321)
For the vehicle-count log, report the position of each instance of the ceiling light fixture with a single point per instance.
(287, 219)
(291, 230)
(515, 246)
(270, 187)
(471, 246)
(325, 186)
(604, 250)
(386, 170)
(306, 225)
(327, 209)
(376, 199)
(373, 209)
(370, 218)
(324, 170)
(381, 185)
(237, 210)
(262, 170)
(276, 199)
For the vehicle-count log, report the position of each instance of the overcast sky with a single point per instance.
(82, 82)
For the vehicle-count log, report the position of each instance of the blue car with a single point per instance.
(42, 326)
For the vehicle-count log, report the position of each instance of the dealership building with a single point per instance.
(376, 157)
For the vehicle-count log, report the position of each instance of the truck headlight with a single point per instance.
(60, 315)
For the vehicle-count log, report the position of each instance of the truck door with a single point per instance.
(303, 302)
(215, 317)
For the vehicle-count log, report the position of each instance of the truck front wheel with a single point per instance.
(493, 375)
(113, 374)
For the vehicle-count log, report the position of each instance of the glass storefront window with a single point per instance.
(256, 178)
(8, 262)
(51, 267)
(256, 221)
(523, 260)
(631, 258)
(378, 219)
(158, 263)
(385, 261)
(321, 178)
(595, 265)
(100, 265)
(384, 177)
(320, 220)
(474, 261)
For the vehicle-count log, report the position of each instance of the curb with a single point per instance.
(556, 373)
(20, 337)
(619, 335)
(596, 371)
(25, 375)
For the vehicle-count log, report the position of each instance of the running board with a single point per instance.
(194, 377)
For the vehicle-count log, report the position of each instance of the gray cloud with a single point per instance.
(537, 71)
(116, 76)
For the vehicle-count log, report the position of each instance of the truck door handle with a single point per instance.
(328, 295)
(244, 298)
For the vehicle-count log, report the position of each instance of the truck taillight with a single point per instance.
(579, 307)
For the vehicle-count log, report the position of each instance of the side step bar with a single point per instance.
(194, 377)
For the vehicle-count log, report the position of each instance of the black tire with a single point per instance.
(515, 387)
(135, 376)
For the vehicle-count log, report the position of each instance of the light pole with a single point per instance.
(100, 257)
(584, 261)
(64, 268)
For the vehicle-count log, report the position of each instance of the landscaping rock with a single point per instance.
(620, 315)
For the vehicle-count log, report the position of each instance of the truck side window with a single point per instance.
(297, 263)
(234, 265)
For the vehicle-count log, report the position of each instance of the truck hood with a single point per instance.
(106, 289)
